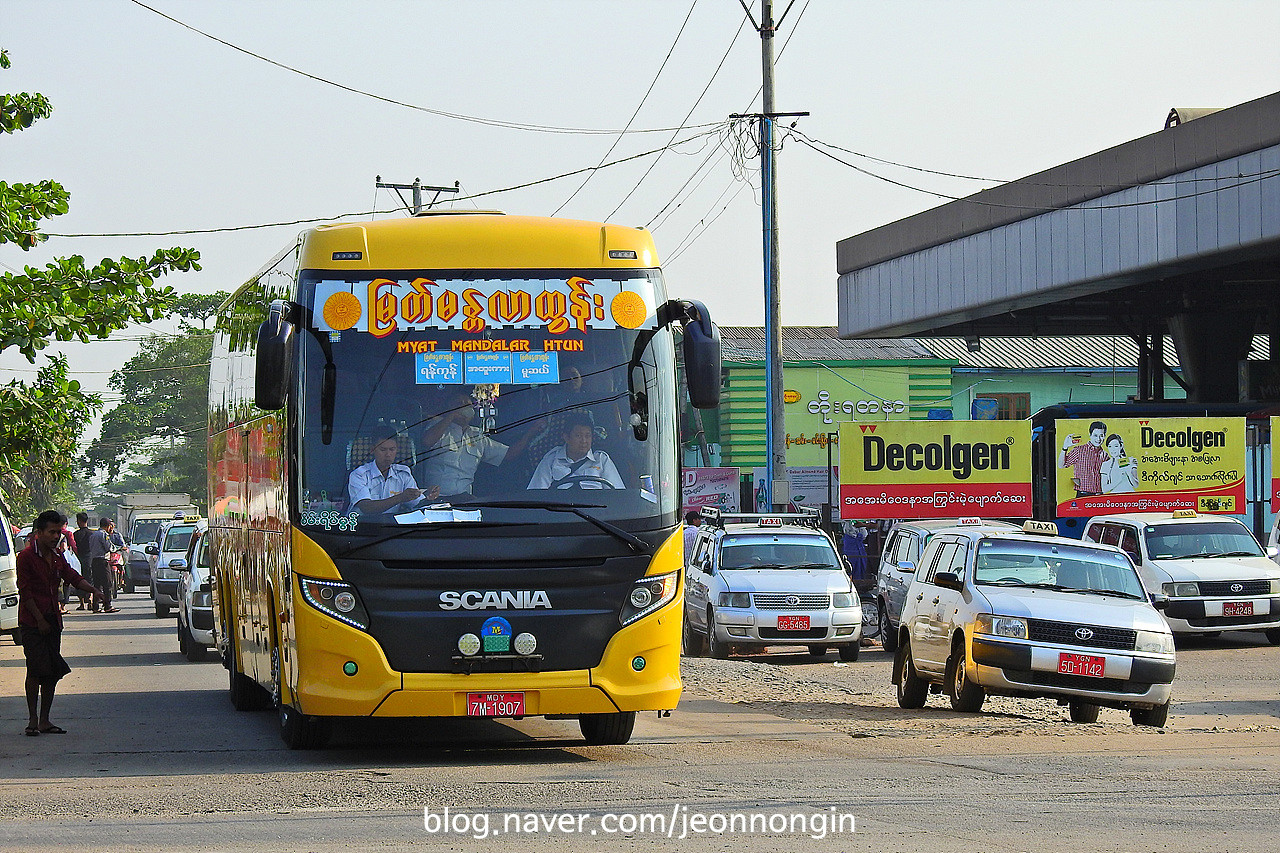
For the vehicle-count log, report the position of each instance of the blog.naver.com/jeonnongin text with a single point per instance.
(676, 823)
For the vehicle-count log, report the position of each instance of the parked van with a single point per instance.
(8, 582)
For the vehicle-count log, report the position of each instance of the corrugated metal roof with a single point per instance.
(814, 343)
(1043, 353)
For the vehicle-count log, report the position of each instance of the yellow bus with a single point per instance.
(443, 474)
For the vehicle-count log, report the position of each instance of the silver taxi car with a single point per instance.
(1213, 570)
(1029, 613)
(768, 580)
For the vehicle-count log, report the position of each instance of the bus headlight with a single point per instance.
(648, 595)
(1000, 626)
(525, 643)
(469, 645)
(335, 599)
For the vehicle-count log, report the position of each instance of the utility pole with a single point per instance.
(417, 186)
(777, 488)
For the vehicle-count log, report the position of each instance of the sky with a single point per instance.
(157, 128)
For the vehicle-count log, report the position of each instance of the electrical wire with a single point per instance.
(622, 133)
(512, 125)
(188, 231)
(683, 121)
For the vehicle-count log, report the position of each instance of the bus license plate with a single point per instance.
(1237, 608)
(793, 623)
(1090, 665)
(495, 704)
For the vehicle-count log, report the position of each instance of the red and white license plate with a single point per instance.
(495, 704)
(793, 623)
(1237, 608)
(1090, 665)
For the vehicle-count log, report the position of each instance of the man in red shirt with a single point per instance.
(40, 569)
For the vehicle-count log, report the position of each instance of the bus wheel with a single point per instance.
(246, 695)
(602, 729)
(302, 731)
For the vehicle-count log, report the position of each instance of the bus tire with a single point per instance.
(246, 695)
(607, 729)
(302, 731)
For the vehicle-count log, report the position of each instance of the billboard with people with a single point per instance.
(1150, 464)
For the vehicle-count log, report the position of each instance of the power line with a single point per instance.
(188, 231)
(705, 89)
(512, 125)
(622, 133)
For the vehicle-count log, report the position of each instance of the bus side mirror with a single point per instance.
(274, 366)
(702, 358)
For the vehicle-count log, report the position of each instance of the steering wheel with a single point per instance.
(576, 481)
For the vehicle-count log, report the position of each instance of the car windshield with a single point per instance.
(1226, 538)
(777, 552)
(146, 530)
(177, 539)
(1053, 565)
(495, 390)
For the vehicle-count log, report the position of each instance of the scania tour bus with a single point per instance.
(480, 350)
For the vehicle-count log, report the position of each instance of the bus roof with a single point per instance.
(476, 240)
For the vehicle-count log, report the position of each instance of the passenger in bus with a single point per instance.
(382, 485)
(574, 463)
(455, 448)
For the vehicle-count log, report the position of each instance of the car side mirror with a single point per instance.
(1273, 551)
(1159, 600)
(152, 550)
(947, 580)
(906, 566)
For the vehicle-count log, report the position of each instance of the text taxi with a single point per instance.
(1030, 613)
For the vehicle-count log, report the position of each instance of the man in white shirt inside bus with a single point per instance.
(575, 462)
(382, 485)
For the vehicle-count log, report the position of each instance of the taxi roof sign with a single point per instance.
(770, 521)
(970, 521)
(710, 513)
(1043, 528)
(1185, 513)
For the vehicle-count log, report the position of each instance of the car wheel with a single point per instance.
(1156, 716)
(1083, 712)
(965, 695)
(162, 610)
(691, 643)
(1273, 636)
(888, 635)
(302, 731)
(913, 690)
(715, 648)
(128, 586)
(16, 635)
(182, 638)
(607, 729)
(817, 651)
(849, 652)
(870, 618)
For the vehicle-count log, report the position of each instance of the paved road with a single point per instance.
(156, 759)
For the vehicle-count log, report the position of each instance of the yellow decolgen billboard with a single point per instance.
(1150, 465)
(935, 469)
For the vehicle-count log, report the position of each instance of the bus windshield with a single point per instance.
(424, 391)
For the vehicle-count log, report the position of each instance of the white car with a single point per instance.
(1030, 613)
(168, 556)
(8, 583)
(1213, 570)
(770, 580)
(195, 605)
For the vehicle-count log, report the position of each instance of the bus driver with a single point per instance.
(575, 462)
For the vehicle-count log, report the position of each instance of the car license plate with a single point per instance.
(1090, 665)
(495, 704)
(1237, 608)
(793, 623)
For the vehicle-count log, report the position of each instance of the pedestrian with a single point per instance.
(100, 545)
(80, 537)
(40, 569)
(68, 543)
(692, 519)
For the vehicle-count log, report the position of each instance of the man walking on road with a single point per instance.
(40, 569)
(81, 539)
(100, 545)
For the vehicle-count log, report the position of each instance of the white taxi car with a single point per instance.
(1213, 570)
(768, 580)
(1030, 613)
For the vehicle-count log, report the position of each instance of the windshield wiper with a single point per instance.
(1111, 592)
(753, 567)
(1233, 554)
(635, 543)
(810, 566)
(417, 528)
(1052, 586)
